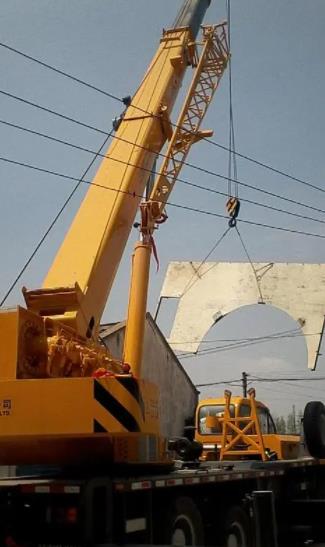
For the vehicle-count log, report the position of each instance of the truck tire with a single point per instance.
(314, 428)
(237, 529)
(182, 524)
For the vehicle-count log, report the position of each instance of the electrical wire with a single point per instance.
(150, 171)
(54, 221)
(169, 203)
(190, 165)
(218, 383)
(295, 386)
(236, 345)
(260, 380)
(116, 98)
(281, 333)
(271, 380)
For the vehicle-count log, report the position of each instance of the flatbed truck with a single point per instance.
(81, 427)
(246, 504)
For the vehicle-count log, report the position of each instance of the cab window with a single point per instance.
(212, 410)
(266, 421)
(244, 411)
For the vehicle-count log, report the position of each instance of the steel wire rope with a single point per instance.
(116, 98)
(189, 285)
(232, 164)
(252, 265)
(171, 204)
(54, 221)
(188, 164)
(154, 172)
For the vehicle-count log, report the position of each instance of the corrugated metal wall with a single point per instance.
(178, 396)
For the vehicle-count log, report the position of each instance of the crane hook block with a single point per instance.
(233, 206)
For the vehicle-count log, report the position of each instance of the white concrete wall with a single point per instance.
(221, 287)
(178, 396)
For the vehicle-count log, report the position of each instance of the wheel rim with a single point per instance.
(237, 537)
(183, 532)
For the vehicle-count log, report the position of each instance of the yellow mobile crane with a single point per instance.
(62, 389)
(65, 400)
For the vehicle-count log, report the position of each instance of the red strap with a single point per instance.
(154, 250)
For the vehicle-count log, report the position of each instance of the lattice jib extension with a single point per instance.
(211, 66)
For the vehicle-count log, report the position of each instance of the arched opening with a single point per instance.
(267, 344)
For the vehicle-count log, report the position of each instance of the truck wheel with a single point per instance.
(237, 529)
(182, 524)
(314, 428)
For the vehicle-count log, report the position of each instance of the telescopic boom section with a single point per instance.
(210, 68)
(78, 283)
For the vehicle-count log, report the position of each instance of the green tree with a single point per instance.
(293, 421)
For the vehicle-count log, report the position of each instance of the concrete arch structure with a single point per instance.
(208, 293)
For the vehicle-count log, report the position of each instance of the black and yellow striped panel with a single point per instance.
(119, 407)
(233, 205)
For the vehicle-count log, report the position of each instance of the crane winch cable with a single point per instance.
(232, 163)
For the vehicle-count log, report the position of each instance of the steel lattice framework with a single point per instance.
(210, 68)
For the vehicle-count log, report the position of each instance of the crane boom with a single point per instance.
(210, 68)
(50, 350)
(77, 284)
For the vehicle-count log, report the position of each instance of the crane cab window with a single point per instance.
(244, 411)
(212, 410)
(266, 421)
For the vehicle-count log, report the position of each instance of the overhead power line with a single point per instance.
(263, 380)
(190, 165)
(246, 339)
(239, 344)
(169, 203)
(269, 380)
(150, 171)
(52, 224)
(120, 100)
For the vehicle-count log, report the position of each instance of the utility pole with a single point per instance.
(244, 381)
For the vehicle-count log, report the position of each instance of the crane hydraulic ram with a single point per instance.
(64, 396)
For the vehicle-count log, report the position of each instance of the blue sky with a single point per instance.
(278, 100)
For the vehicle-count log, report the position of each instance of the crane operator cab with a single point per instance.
(232, 428)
